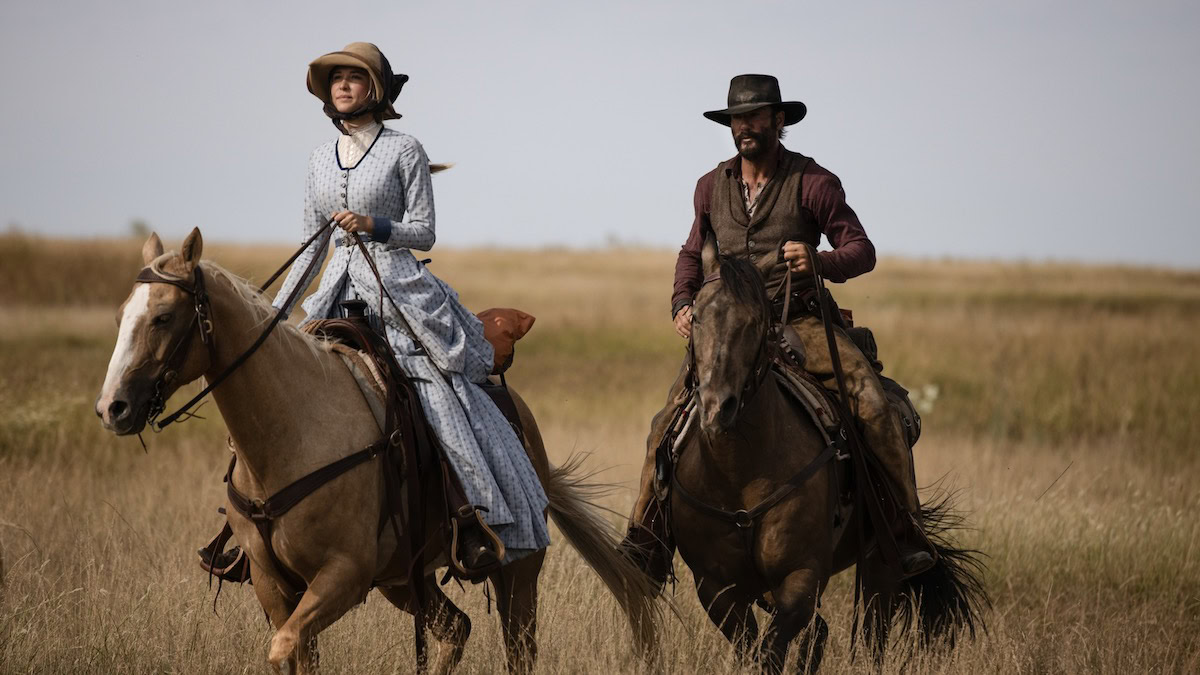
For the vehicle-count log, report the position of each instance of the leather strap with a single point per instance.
(745, 518)
(183, 410)
(264, 512)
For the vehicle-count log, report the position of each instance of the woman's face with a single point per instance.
(349, 88)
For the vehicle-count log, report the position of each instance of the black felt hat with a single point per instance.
(751, 92)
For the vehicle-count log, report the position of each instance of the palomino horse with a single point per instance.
(294, 407)
(753, 440)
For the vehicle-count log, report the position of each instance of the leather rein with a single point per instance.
(204, 325)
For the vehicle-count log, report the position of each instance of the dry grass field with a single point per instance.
(1061, 401)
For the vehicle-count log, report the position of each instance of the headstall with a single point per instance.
(204, 326)
(762, 364)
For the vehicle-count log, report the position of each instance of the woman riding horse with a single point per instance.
(374, 183)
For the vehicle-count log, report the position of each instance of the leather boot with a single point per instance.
(916, 551)
(645, 545)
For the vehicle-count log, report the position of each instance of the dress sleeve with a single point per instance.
(313, 220)
(417, 228)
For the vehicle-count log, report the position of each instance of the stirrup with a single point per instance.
(215, 560)
(468, 516)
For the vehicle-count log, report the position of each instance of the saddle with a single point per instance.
(415, 470)
(397, 408)
(369, 357)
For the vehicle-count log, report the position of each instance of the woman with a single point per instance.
(375, 181)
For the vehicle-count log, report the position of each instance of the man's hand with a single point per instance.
(798, 259)
(683, 321)
(353, 222)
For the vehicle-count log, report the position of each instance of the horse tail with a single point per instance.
(949, 598)
(573, 509)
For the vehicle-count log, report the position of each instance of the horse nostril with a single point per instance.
(117, 410)
(728, 411)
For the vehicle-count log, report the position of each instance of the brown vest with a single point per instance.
(779, 217)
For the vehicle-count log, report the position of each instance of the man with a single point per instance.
(768, 205)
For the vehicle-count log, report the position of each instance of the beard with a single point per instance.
(760, 141)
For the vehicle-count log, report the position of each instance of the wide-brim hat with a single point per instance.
(385, 85)
(748, 93)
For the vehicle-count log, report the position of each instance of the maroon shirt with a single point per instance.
(821, 194)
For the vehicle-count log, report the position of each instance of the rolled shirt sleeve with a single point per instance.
(853, 253)
(688, 267)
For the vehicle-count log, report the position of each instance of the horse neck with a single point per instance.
(751, 449)
(268, 403)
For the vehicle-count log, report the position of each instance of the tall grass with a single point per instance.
(1067, 402)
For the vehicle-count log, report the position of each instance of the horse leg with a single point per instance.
(333, 592)
(516, 600)
(795, 603)
(446, 622)
(279, 606)
(732, 615)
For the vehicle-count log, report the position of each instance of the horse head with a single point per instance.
(730, 321)
(155, 352)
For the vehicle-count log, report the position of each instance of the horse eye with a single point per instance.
(162, 319)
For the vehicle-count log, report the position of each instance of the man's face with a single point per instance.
(755, 132)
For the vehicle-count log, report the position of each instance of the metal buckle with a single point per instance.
(742, 519)
(258, 510)
(396, 438)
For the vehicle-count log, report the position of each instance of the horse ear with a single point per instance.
(192, 247)
(708, 256)
(152, 248)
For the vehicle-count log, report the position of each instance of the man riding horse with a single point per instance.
(770, 206)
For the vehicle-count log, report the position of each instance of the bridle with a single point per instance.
(762, 361)
(204, 325)
(171, 365)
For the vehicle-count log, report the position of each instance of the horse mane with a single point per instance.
(260, 305)
(744, 282)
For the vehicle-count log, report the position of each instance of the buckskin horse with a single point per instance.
(753, 495)
(294, 407)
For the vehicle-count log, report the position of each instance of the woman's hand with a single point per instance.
(353, 222)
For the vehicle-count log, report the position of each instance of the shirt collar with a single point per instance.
(364, 134)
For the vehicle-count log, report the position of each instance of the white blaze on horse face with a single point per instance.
(123, 354)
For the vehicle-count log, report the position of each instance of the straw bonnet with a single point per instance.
(358, 55)
(751, 92)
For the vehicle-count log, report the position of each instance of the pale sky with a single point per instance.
(1015, 130)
